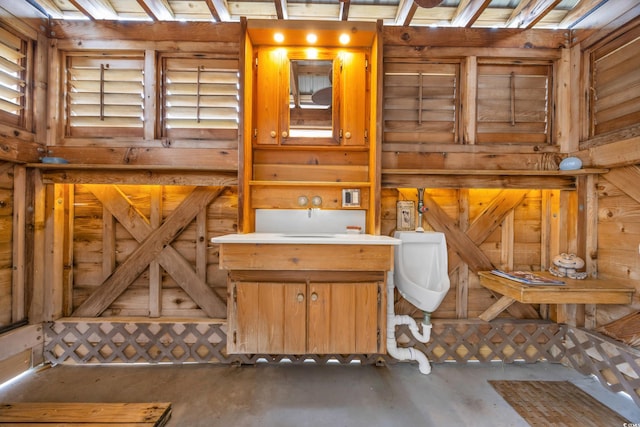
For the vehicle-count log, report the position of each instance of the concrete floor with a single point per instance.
(308, 395)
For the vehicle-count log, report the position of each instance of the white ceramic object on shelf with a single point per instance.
(570, 164)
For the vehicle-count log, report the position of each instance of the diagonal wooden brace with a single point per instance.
(155, 244)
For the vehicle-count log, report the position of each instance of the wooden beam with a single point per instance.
(156, 244)
(344, 10)
(459, 241)
(140, 177)
(615, 154)
(468, 11)
(529, 13)
(281, 9)
(95, 9)
(158, 10)
(406, 10)
(219, 10)
(580, 11)
(626, 179)
(18, 283)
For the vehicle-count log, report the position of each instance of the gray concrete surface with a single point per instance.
(308, 395)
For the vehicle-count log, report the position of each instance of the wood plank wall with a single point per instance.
(6, 243)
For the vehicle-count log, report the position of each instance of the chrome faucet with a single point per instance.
(421, 209)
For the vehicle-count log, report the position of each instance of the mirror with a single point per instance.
(310, 98)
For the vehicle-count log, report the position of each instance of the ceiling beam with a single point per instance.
(281, 9)
(158, 10)
(219, 10)
(579, 11)
(95, 9)
(528, 13)
(468, 12)
(344, 9)
(406, 10)
(50, 7)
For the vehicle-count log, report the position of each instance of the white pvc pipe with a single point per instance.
(405, 353)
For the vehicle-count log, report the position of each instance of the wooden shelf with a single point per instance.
(506, 172)
(345, 184)
(67, 173)
(484, 178)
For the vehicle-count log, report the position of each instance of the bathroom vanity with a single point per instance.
(316, 293)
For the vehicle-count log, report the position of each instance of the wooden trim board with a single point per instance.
(94, 414)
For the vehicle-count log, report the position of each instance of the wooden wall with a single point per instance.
(6, 243)
(103, 242)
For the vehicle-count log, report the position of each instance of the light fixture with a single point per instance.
(278, 37)
(312, 38)
(344, 38)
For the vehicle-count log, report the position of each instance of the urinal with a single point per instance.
(421, 268)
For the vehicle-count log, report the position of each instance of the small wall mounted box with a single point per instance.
(350, 198)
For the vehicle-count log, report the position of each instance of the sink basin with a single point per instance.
(311, 235)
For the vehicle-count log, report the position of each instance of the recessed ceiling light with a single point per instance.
(344, 38)
(278, 37)
(312, 38)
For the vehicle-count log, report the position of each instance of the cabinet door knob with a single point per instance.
(300, 297)
(314, 297)
(285, 134)
(273, 134)
(347, 135)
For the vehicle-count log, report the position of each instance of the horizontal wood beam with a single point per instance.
(424, 38)
(478, 181)
(148, 31)
(139, 176)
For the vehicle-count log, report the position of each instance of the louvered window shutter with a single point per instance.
(105, 96)
(200, 98)
(513, 104)
(615, 89)
(420, 103)
(12, 78)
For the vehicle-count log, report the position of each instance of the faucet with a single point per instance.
(421, 209)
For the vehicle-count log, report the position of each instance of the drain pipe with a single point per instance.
(405, 353)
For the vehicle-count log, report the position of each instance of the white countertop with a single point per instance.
(307, 238)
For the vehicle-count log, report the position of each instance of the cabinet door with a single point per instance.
(353, 103)
(343, 318)
(272, 88)
(267, 318)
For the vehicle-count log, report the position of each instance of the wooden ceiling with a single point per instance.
(548, 14)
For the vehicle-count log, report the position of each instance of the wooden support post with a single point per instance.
(155, 273)
(18, 309)
(462, 294)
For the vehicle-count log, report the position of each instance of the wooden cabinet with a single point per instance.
(277, 110)
(305, 318)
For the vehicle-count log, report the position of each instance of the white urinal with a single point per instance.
(421, 268)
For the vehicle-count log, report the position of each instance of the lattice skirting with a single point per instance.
(85, 341)
(616, 364)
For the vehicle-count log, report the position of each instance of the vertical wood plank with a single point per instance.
(565, 74)
(54, 230)
(319, 318)
(469, 93)
(462, 290)
(18, 309)
(366, 318)
(343, 318)
(270, 318)
(507, 242)
(295, 318)
(67, 250)
(37, 201)
(150, 88)
(155, 273)
(108, 243)
(201, 245)
(247, 296)
(42, 81)
(55, 123)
